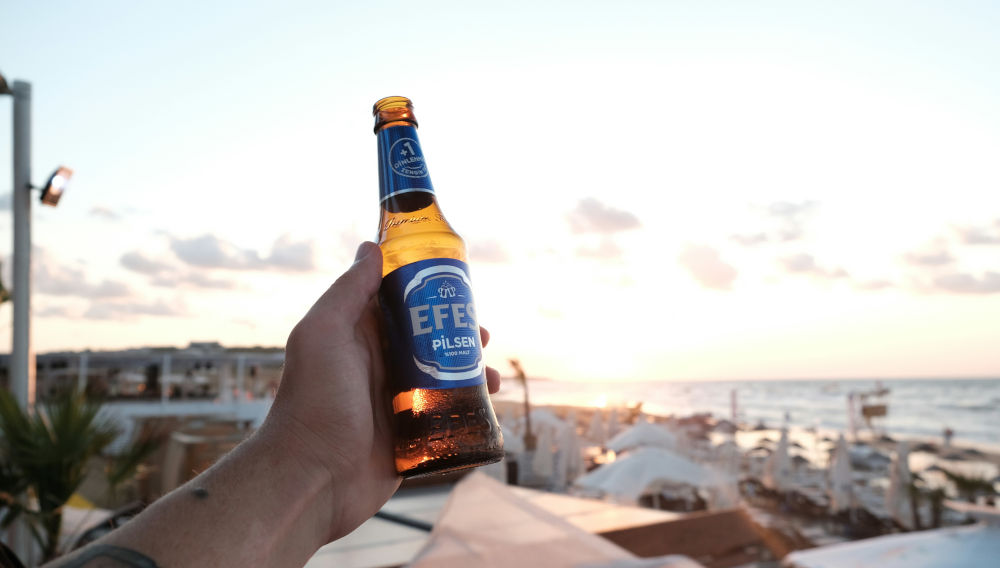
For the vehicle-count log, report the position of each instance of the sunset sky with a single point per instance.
(649, 190)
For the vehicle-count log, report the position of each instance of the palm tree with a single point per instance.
(44, 456)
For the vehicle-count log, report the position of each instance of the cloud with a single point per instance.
(488, 251)
(104, 213)
(592, 216)
(292, 255)
(136, 261)
(166, 275)
(707, 267)
(874, 285)
(52, 312)
(929, 258)
(192, 280)
(788, 223)
(209, 251)
(988, 235)
(607, 250)
(963, 283)
(57, 279)
(803, 263)
(749, 240)
(132, 310)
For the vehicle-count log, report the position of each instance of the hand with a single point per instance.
(333, 405)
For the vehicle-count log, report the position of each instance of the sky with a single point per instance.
(648, 190)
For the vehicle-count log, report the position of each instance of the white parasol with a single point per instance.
(897, 498)
(613, 424)
(597, 432)
(645, 469)
(542, 463)
(643, 434)
(841, 478)
(778, 467)
(569, 458)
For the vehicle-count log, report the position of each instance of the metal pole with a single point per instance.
(165, 380)
(22, 363)
(241, 371)
(83, 371)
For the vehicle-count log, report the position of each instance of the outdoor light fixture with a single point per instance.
(54, 188)
(21, 375)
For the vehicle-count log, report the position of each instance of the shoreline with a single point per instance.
(974, 454)
(919, 410)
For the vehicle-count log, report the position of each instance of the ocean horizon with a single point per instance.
(917, 407)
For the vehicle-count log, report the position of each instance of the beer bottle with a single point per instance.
(442, 414)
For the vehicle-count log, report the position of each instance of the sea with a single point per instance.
(916, 408)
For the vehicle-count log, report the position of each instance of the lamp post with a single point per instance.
(22, 357)
(22, 368)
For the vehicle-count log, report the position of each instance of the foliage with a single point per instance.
(45, 456)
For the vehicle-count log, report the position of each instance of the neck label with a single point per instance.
(401, 164)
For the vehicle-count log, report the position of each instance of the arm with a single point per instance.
(319, 466)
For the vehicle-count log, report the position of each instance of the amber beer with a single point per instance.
(443, 417)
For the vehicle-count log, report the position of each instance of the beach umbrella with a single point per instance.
(513, 443)
(614, 425)
(643, 434)
(897, 498)
(597, 432)
(508, 421)
(569, 458)
(956, 547)
(571, 418)
(728, 454)
(628, 478)
(542, 419)
(778, 467)
(542, 463)
(841, 478)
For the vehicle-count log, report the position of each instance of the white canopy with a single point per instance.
(632, 475)
(613, 424)
(728, 456)
(542, 419)
(543, 462)
(485, 524)
(841, 478)
(643, 434)
(956, 547)
(778, 467)
(569, 458)
(897, 498)
(597, 432)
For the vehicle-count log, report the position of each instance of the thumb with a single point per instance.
(352, 292)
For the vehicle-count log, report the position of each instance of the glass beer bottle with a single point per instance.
(442, 413)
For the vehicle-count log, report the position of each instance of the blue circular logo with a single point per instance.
(407, 159)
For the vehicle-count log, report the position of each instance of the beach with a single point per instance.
(964, 467)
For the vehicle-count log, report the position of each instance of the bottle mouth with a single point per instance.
(393, 109)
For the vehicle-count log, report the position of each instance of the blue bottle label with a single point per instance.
(401, 164)
(431, 326)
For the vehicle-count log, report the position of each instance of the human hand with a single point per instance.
(333, 406)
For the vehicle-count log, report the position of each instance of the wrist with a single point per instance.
(295, 451)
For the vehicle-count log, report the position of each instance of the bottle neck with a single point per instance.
(402, 169)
